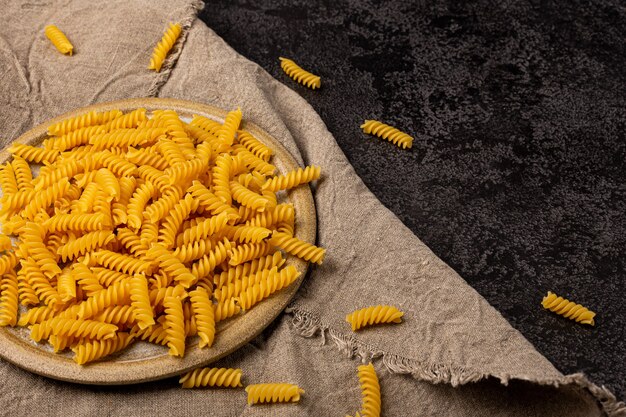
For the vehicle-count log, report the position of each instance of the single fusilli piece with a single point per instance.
(204, 315)
(140, 301)
(174, 324)
(171, 265)
(87, 119)
(123, 263)
(254, 145)
(59, 40)
(212, 377)
(249, 251)
(163, 47)
(33, 154)
(568, 309)
(60, 326)
(86, 243)
(293, 179)
(9, 299)
(387, 132)
(297, 247)
(97, 349)
(374, 315)
(300, 75)
(226, 133)
(273, 393)
(370, 391)
(271, 283)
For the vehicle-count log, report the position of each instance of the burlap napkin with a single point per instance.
(454, 355)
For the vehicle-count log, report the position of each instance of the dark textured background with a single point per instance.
(517, 174)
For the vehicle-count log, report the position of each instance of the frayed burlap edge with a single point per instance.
(309, 326)
(190, 14)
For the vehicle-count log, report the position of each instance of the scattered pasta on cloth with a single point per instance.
(144, 227)
(59, 40)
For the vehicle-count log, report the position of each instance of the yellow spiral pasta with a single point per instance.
(174, 220)
(26, 293)
(268, 286)
(122, 263)
(45, 198)
(74, 222)
(185, 171)
(107, 277)
(249, 251)
(129, 120)
(116, 294)
(60, 326)
(204, 316)
(212, 377)
(144, 156)
(125, 138)
(236, 287)
(174, 325)
(253, 162)
(300, 75)
(273, 393)
(387, 132)
(131, 241)
(131, 223)
(370, 391)
(66, 286)
(226, 309)
(87, 119)
(254, 145)
(226, 133)
(39, 282)
(194, 250)
(154, 334)
(171, 265)
(87, 281)
(36, 315)
(119, 208)
(293, 179)
(138, 202)
(140, 301)
(374, 315)
(248, 198)
(236, 272)
(59, 40)
(164, 46)
(204, 266)
(9, 300)
(568, 309)
(86, 243)
(116, 164)
(297, 247)
(121, 316)
(93, 350)
(8, 181)
(7, 262)
(203, 229)
(73, 139)
(208, 125)
(23, 174)
(212, 202)
(36, 248)
(270, 218)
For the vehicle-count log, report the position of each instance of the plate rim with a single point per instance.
(24, 354)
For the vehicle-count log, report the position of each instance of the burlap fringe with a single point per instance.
(186, 22)
(309, 326)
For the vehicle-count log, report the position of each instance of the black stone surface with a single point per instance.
(517, 174)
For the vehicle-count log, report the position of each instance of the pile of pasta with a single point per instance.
(143, 227)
